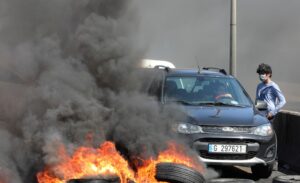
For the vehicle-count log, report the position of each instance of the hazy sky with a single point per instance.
(268, 31)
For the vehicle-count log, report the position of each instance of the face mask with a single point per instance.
(262, 77)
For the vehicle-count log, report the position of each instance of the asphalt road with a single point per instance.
(245, 173)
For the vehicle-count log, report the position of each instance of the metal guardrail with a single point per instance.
(287, 127)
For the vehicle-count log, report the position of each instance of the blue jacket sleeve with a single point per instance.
(281, 101)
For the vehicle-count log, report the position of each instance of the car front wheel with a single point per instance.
(262, 171)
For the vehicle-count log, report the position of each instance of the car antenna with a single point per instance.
(198, 64)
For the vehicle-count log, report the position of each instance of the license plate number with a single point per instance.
(226, 148)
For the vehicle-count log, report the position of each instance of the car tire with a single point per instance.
(230, 180)
(177, 173)
(287, 179)
(262, 171)
(96, 180)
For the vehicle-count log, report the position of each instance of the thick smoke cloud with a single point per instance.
(68, 77)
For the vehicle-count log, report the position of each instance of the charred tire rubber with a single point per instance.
(102, 180)
(287, 179)
(230, 180)
(262, 171)
(176, 173)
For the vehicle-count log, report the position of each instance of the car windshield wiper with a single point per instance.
(207, 103)
(222, 104)
(184, 102)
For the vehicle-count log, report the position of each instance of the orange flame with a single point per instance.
(106, 160)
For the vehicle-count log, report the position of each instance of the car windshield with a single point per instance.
(205, 90)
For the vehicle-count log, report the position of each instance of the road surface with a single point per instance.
(245, 173)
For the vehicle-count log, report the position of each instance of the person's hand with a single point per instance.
(270, 116)
(224, 95)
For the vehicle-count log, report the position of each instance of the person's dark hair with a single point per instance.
(264, 69)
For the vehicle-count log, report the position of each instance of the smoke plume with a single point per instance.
(68, 76)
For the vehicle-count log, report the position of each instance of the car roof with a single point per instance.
(195, 72)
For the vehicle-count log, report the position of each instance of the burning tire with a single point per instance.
(228, 180)
(95, 180)
(176, 173)
(287, 179)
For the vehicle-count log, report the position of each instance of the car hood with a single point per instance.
(224, 116)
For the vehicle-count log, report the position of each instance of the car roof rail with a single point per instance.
(162, 67)
(215, 68)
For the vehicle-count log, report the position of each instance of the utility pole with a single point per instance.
(232, 58)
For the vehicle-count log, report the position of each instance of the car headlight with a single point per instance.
(263, 130)
(187, 128)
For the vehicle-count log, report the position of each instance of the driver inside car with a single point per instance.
(221, 92)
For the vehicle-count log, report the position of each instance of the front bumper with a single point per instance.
(246, 162)
(258, 149)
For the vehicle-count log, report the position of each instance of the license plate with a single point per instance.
(227, 148)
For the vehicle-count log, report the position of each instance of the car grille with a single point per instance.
(220, 156)
(228, 141)
(222, 129)
(249, 155)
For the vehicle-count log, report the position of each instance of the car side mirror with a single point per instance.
(261, 105)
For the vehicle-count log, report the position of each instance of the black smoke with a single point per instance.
(68, 71)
